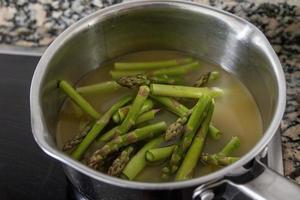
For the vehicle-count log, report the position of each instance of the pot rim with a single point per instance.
(41, 134)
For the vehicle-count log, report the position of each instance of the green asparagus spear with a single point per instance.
(99, 88)
(97, 127)
(78, 99)
(134, 136)
(175, 129)
(142, 118)
(133, 112)
(177, 70)
(183, 91)
(165, 79)
(191, 158)
(222, 158)
(199, 112)
(116, 74)
(77, 139)
(232, 145)
(172, 105)
(170, 71)
(218, 160)
(147, 116)
(120, 115)
(206, 78)
(137, 80)
(196, 118)
(157, 154)
(151, 65)
(120, 162)
(182, 111)
(214, 133)
(138, 162)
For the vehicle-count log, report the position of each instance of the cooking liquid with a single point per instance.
(235, 114)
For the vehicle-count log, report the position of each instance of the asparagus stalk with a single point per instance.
(175, 129)
(120, 162)
(177, 70)
(133, 112)
(199, 112)
(182, 111)
(221, 158)
(183, 91)
(116, 74)
(147, 116)
(232, 145)
(172, 105)
(214, 133)
(77, 139)
(120, 115)
(206, 78)
(97, 128)
(142, 118)
(138, 162)
(191, 158)
(196, 118)
(99, 88)
(104, 138)
(157, 154)
(151, 65)
(165, 79)
(134, 136)
(218, 160)
(171, 71)
(78, 99)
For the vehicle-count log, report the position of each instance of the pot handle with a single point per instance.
(259, 183)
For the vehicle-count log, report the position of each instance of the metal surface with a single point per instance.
(259, 183)
(225, 39)
(274, 158)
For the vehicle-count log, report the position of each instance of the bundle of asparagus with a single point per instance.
(177, 145)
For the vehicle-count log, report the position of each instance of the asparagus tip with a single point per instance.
(133, 81)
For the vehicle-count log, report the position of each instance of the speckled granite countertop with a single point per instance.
(35, 23)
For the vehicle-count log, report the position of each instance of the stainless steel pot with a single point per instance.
(235, 44)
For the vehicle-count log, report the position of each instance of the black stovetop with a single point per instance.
(26, 172)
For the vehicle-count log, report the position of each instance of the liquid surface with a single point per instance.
(236, 113)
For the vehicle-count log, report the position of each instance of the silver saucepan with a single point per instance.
(223, 38)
